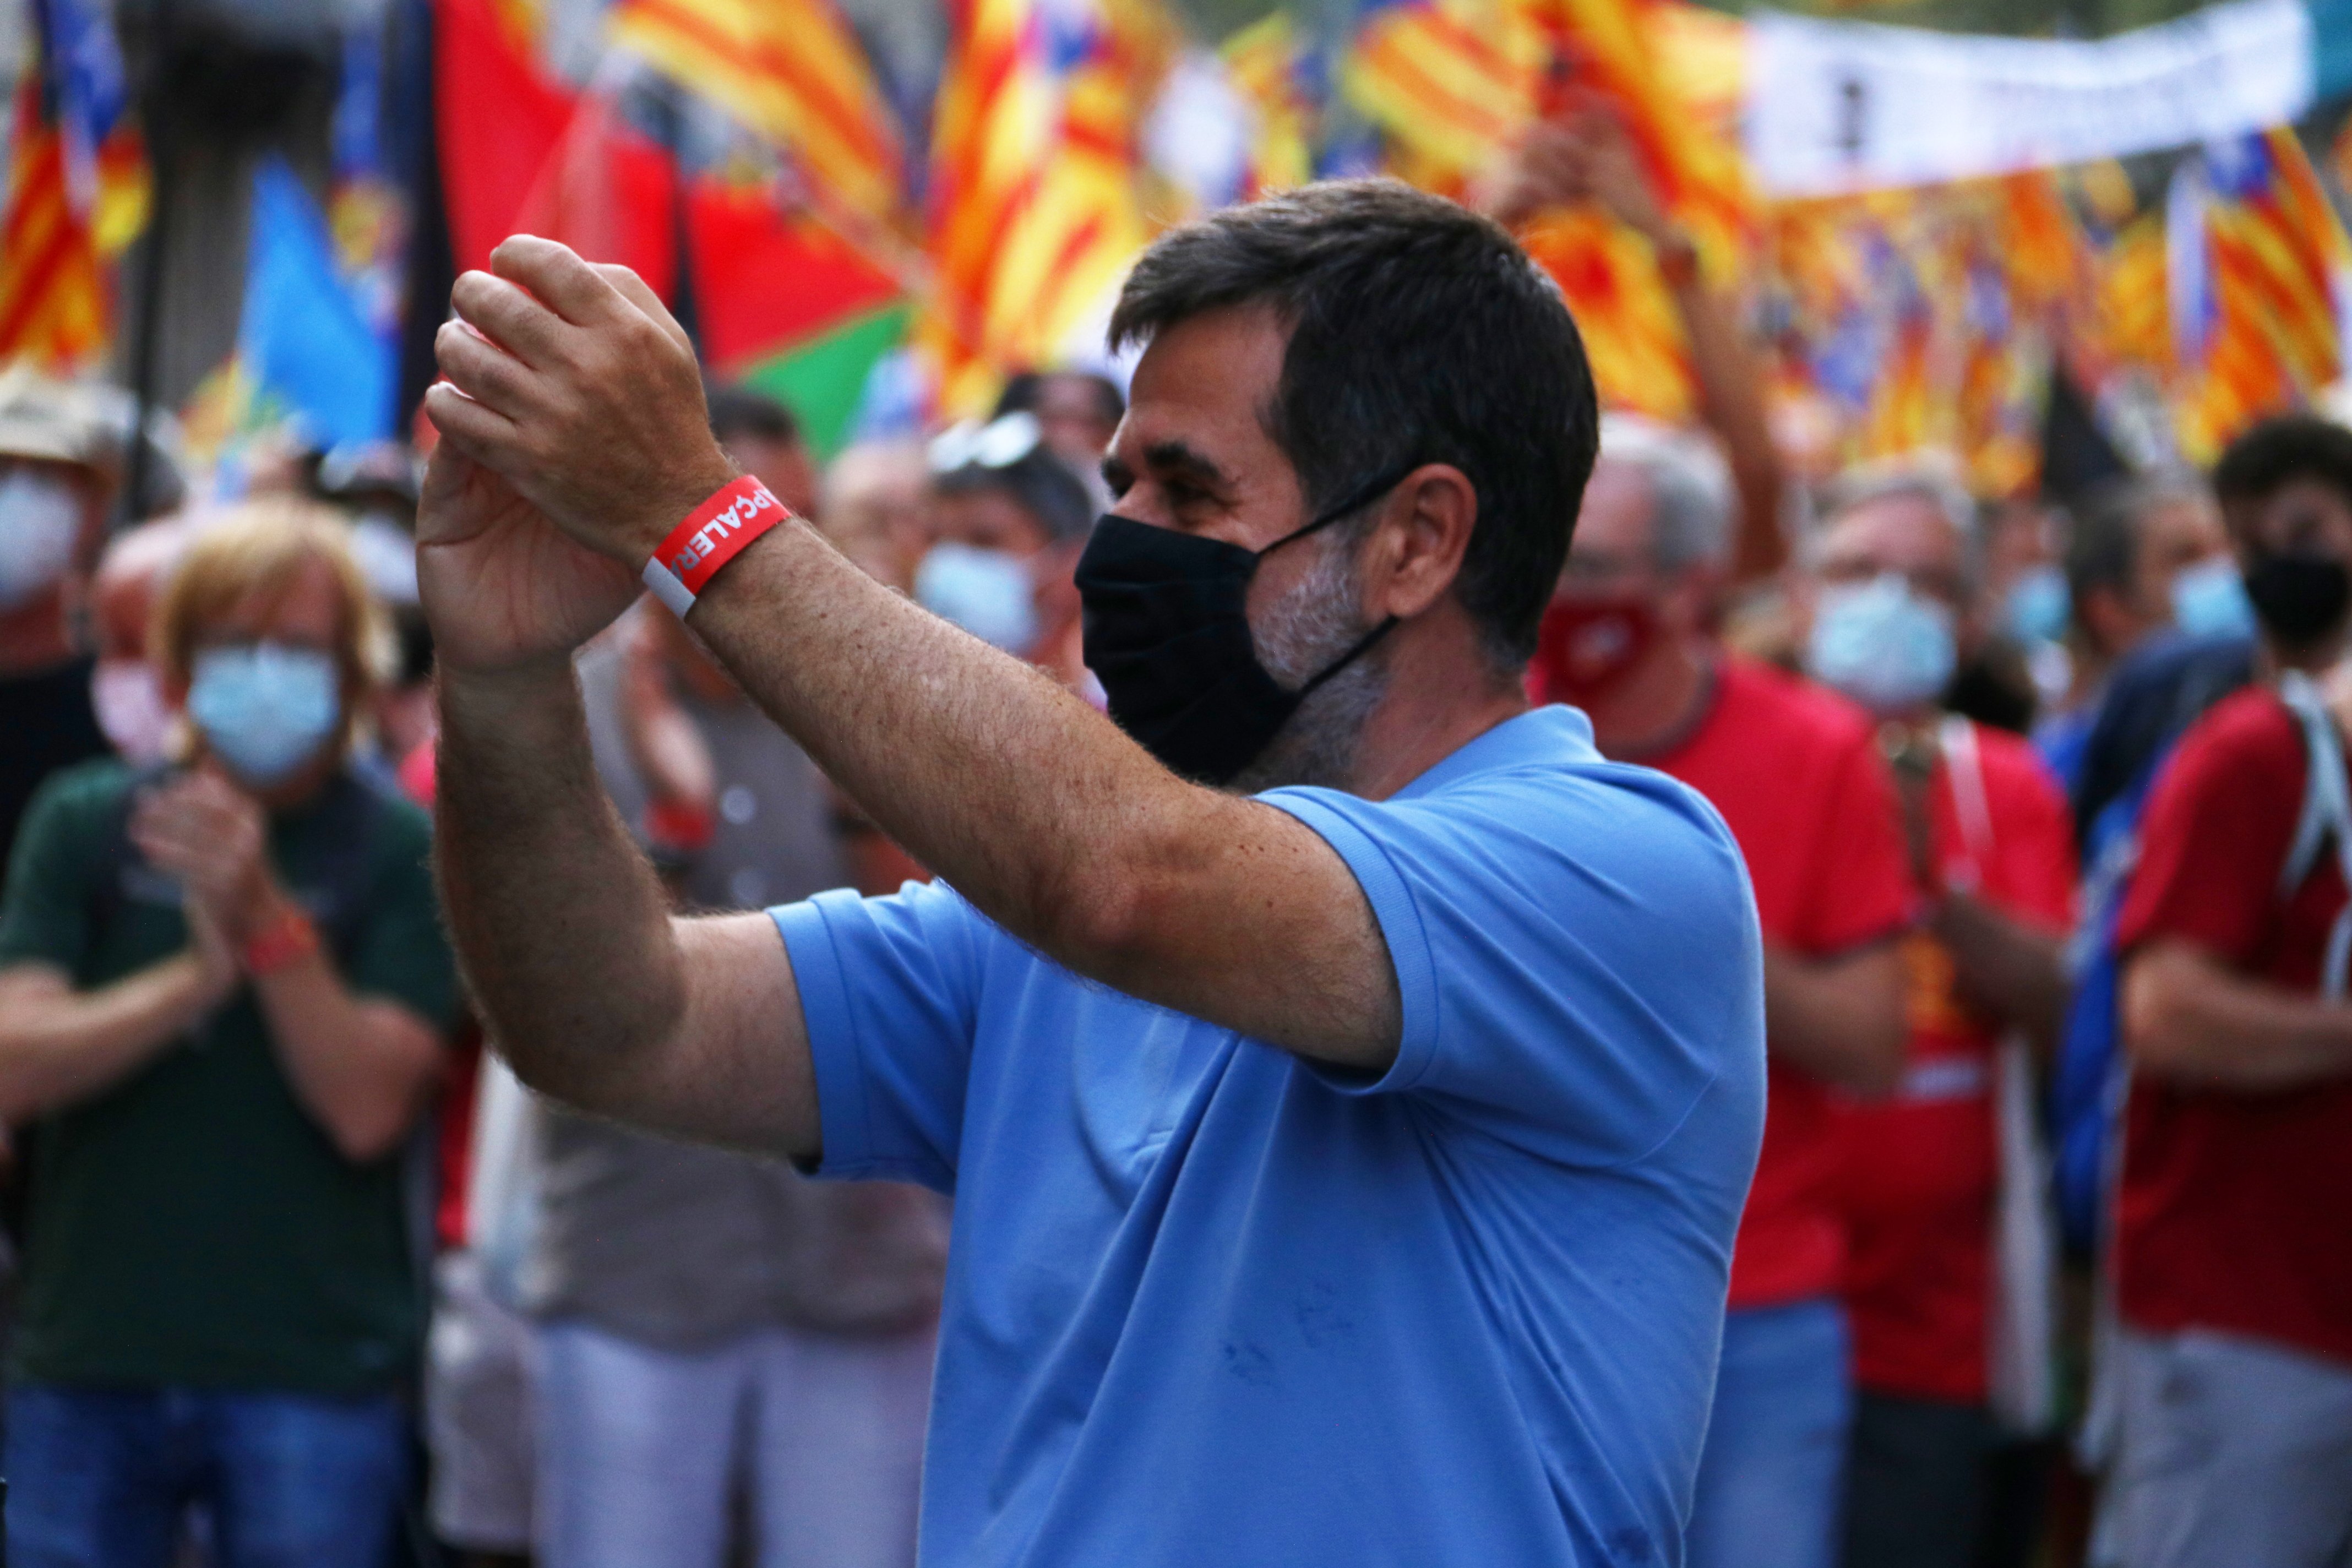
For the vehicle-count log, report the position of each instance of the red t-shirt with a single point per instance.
(2236, 1209)
(1795, 772)
(1923, 1170)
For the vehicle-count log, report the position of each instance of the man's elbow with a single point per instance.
(365, 1136)
(2156, 1015)
(1098, 919)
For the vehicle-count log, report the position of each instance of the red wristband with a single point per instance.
(288, 938)
(712, 534)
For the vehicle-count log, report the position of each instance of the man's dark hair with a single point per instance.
(2277, 452)
(738, 410)
(2103, 546)
(1025, 389)
(1420, 333)
(1040, 483)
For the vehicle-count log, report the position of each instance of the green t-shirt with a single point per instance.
(191, 1224)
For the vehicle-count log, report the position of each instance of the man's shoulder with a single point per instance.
(2247, 736)
(1532, 802)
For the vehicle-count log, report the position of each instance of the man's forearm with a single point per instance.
(937, 739)
(2015, 972)
(1731, 400)
(1840, 1020)
(1039, 810)
(2190, 1019)
(560, 923)
(58, 1045)
(360, 1066)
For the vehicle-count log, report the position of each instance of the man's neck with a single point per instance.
(1658, 703)
(2314, 660)
(1433, 710)
(36, 637)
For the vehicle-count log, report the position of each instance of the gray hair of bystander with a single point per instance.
(1690, 489)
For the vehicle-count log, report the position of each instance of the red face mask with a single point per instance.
(1585, 647)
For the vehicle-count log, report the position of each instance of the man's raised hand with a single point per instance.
(502, 585)
(575, 385)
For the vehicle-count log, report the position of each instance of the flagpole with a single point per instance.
(160, 155)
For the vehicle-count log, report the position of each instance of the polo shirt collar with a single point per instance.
(1554, 733)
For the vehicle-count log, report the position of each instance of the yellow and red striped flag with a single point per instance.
(53, 297)
(1455, 81)
(2254, 290)
(1262, 63)
(1613, 50)
(1033, 208)
(77, 190)
(1452, 82)
(794, 71)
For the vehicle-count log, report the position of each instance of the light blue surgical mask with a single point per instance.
(264, 709)
(986, 591)
(39, 522)
(2038, 604)
(2209, 599)
(1882, 643)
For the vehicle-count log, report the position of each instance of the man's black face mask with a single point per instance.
(1166, 626)
(2299, 596)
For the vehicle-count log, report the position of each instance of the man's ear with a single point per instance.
(1429, 520)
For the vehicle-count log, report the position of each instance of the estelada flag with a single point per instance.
(77, 190)
(1034, 207)
(794, 71)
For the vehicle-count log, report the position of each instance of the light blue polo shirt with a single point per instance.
(1209, 1306)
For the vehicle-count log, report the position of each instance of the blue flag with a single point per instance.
(304, 337)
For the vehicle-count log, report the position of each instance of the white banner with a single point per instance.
(1844, 106)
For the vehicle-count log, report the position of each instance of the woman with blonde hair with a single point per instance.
(223, 998)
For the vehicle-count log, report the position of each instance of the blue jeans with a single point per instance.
(104, 1477)
(1771, 1480)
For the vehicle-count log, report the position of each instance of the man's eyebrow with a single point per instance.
(1115, 473)
(1175, 457)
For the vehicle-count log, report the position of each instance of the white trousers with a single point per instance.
(2230, 1453)
(643, 1453)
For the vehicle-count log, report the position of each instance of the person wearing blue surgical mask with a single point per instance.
(1894, 572)
(1010, 517)
(57, 485)
(224, 1003)
(2147, 555)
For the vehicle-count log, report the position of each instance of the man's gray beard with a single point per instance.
(1301, 636)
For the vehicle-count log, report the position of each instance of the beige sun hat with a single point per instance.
(44, 417)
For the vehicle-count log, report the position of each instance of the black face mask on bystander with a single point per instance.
(2299, 596)
(1166, 631)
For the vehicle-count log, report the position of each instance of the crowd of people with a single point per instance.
(2044, 811)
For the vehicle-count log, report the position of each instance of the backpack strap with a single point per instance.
(2327, 815)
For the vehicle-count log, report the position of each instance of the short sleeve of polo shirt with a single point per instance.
(2216, 832)
(889, 991)
(1576, 951)
(1861, 889)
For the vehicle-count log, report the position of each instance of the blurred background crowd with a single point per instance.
(1972, 527)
